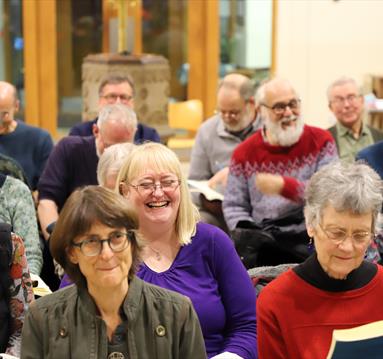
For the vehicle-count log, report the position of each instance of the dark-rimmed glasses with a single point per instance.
(93, 244)
(112, 98)
(280, 107)
(338, 235)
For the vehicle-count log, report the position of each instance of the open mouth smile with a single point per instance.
(161, 204)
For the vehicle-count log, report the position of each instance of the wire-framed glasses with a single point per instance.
(93, 244)
(341, 101)
(338, 235)
(148, 187)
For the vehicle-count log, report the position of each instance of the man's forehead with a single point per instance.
(348, 88)
(281, 93)
(229, 97)
(122, 87)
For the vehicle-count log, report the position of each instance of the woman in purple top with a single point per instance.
(195, 259)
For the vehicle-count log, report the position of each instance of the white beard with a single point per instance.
(285, 137)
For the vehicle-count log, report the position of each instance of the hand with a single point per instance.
(219, 179)
(268, 183)
(226, 355)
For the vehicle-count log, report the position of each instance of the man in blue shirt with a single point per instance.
(30, 146)
(116, 89)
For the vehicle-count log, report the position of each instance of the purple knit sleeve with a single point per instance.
(238, 297)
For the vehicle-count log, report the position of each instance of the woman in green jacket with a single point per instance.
(109, 313)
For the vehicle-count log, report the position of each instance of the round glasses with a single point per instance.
(338, 235)
(280, 107)
(147, 188)
(93, 244)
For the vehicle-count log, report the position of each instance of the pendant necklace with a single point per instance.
(156, 253)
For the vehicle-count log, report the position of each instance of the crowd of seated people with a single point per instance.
(288, 200)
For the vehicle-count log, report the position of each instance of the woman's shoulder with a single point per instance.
(208, 232)
(160, 294)
(61, 298)
(213, 238)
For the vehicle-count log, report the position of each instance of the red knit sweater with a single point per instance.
(295, 320)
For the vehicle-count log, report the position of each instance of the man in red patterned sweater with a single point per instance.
(264, 195)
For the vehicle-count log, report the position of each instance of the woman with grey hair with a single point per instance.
(110, 163)
(335, 288)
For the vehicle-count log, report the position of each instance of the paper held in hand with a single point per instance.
(365, 341)
(40, 288)
(202, 187)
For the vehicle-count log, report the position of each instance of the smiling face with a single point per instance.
(339, 259)
(281, 113)
(108, 269)
(159, 206)
(347, 104)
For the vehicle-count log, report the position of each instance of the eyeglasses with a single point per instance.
(112, 98)
(146, 188)
(340, 101)
(338, 235)
(280, 107)
(231, 114)
(93, 244)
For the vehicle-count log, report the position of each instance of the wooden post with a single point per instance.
(274, 38)
(203, 52)
(40, 63)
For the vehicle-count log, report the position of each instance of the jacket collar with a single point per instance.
(130, 305)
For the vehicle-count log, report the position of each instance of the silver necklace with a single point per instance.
(157, 254)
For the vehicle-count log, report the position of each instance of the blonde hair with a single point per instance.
(161, 158)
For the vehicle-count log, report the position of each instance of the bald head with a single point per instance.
(7, 91)
(275, 88)
(239, 83)
(9, 105)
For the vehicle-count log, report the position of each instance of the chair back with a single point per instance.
(186, 115)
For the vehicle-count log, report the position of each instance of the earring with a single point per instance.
(310, 245)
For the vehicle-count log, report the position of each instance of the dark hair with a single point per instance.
(116, 80)
(85, 207)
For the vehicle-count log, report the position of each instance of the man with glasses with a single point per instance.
(263, 200)
(350, 133)
(73, 161)
(233, 122)
(116, 89)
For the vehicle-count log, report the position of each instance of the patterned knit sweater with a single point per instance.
(296, 163)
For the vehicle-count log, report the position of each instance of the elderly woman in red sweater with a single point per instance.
(335, 288)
